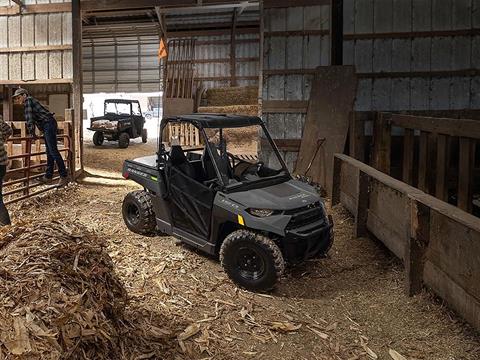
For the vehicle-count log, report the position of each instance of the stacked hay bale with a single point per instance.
(238, 101)
(59, 295)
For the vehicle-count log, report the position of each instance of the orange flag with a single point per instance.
(162, 50)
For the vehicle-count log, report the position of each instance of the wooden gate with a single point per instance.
(27, 160)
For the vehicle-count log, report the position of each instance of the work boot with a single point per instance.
(63, 181)
(45, 180)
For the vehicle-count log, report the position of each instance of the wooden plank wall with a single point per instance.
(439, 243)
(35, 47)
(296, 41)
(213, 65)
(414, 55)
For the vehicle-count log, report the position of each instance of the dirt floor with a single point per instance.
(348, 306)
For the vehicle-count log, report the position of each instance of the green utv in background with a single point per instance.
(122, 121)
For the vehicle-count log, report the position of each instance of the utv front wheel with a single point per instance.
(251, 260)
(144, 136)
(138, 213)
(123, 140)
(98, 138)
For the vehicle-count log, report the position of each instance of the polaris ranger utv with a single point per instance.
(122, 121)
(254, 216)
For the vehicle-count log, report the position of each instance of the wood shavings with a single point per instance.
(284, 326)
(395, 355)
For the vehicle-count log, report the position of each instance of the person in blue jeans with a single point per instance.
(5, 133)
(37, 116)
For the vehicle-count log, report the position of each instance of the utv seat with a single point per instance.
(180, 161)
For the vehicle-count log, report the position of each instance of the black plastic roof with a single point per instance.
(123, 101)
(217, 120)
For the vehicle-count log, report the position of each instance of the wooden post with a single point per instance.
(7, 104)
(233, 50)
(361, 206)
(336, 181)
(418, 237)
(443, 161)
(77, 87)
(423, 162)
(357, 136)
(382, 142)
(465, 173)
(336, 32)
(408, 152)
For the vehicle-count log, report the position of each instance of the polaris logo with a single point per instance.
(299, 196)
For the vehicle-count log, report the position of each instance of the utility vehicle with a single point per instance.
(122, 121)
(253, 215)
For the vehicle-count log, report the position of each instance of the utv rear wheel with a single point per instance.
(123, 140)
(144, 136)
(251, 260)
(138, 213)
(98, 138)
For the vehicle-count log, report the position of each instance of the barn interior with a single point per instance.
(374, 105)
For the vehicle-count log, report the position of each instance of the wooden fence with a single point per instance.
(438, 243)
(436, 155)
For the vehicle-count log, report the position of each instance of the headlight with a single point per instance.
(261, 212)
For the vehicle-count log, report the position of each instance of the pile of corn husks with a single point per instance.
(59, 294)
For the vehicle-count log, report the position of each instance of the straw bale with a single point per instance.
(247, 95)
(249, 110)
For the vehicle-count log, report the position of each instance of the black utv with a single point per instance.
(122, 121)
(253, 215)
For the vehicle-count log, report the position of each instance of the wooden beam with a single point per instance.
(77, 83)
(7, 104)
(336, 32)
(274, 72)
(269, 4)
(285, 106)
(413, 34)
(98, 5)
(452, 127)
(418, 239)
(224, 78)
(241, 5)
(408, 152)
(233, 50)
(297, 33)
(210, 32)
(36, 82)
(465, 173)
(361, 204)
(35, 9)
(421, 74)
(284, 144)
(357, 136)
(443, 162)
(382, 142)
(35, 48)
(423, 163)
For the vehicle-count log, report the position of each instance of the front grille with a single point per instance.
(305, 215)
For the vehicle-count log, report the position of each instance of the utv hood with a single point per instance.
(285, 196)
